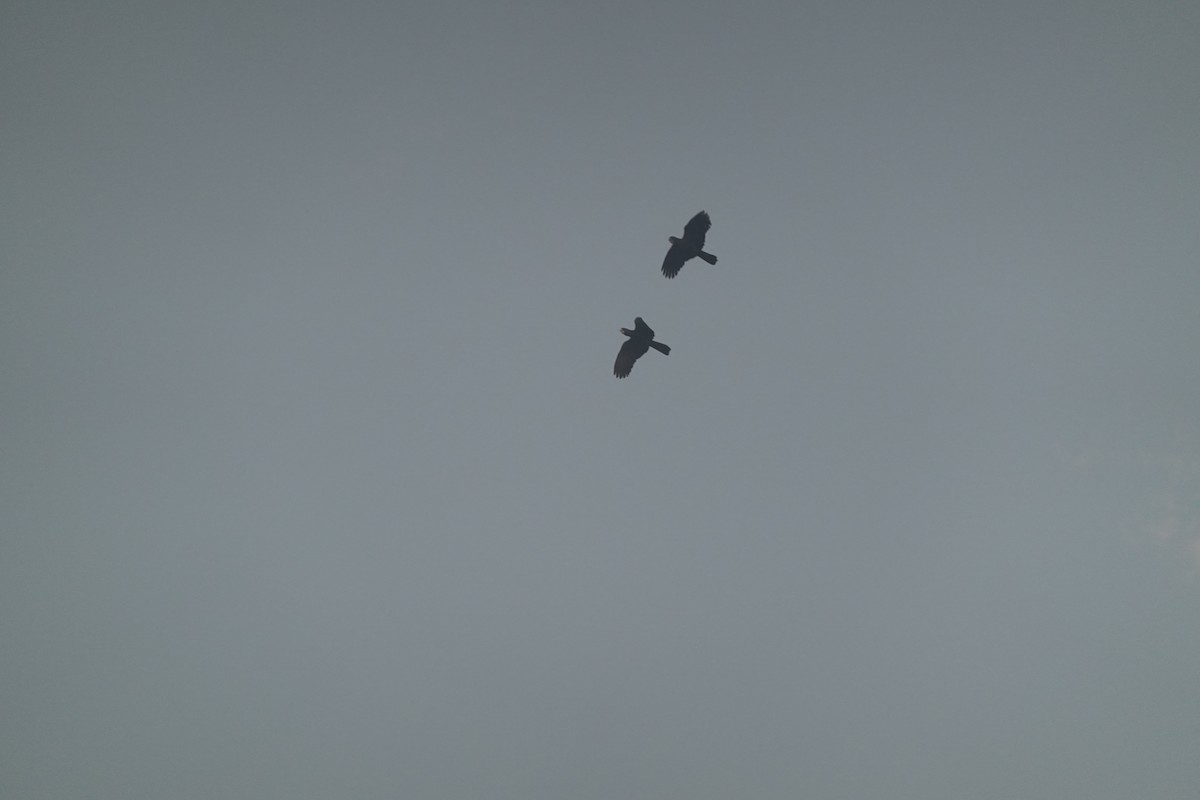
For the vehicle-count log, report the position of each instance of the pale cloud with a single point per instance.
(1077, 459)
(1170, 514)
(1166, 528)
(1176, 520)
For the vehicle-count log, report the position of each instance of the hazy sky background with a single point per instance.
(315, 480)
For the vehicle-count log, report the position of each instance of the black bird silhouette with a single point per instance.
(641, 339)
(689, 247)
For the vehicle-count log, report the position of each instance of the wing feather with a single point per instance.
(673, 261)
(693, 232)
(631, 351)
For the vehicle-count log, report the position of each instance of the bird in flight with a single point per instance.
(689, 247)
(641, 339)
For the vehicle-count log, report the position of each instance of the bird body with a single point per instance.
(640, 340)
(689, 247)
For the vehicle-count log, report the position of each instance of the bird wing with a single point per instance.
(673, 261)
(693, 232)
(642, 329)
(631, 351)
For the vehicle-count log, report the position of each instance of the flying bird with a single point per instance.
(689, 247)
(641, 339)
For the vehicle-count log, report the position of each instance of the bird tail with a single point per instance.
(662, 348)
(709, 257)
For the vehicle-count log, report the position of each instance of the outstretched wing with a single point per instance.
(693, 232)
(631, 351)
(674, 261)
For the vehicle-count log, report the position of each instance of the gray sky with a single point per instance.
(315, 481)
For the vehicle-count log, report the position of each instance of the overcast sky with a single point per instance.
(315, 481)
